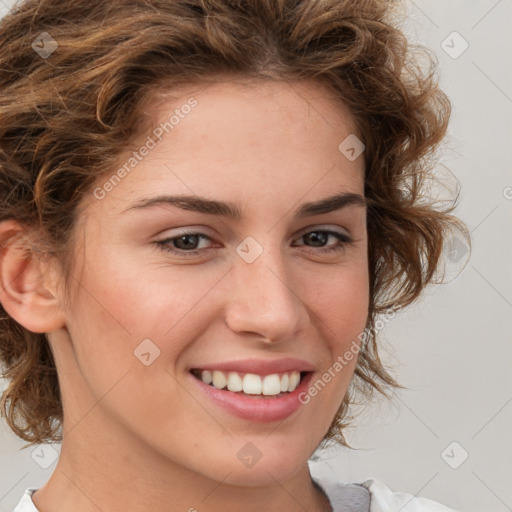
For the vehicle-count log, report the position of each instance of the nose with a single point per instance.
(264, 299)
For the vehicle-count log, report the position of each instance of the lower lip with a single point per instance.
(256, 408)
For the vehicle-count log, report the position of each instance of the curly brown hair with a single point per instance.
(66, 117)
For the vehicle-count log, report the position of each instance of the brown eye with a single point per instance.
(319, 238)
(184, 244)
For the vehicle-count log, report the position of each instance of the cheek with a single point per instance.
(341, 303)
(341, 306)
(156, 299)
(104, 320)
(121, 305)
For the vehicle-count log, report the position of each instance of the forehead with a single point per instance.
(257, 100)
(265, 138)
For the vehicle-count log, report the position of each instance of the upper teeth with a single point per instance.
(251, 383)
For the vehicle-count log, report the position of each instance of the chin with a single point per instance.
(260, 463)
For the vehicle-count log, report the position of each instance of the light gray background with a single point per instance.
(452, 349)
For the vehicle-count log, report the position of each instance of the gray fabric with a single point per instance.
(348, 497)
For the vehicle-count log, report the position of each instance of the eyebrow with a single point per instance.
(233, 210)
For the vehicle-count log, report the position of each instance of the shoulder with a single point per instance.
(374, 496)
(26, 504)
(384, 499)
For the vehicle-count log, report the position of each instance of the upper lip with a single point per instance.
(260, 366)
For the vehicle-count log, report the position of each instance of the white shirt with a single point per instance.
(369, 496)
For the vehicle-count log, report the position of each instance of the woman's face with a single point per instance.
(252, 299)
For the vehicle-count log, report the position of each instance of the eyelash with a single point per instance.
(343, 241)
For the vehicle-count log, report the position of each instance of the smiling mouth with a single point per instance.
(250, 384)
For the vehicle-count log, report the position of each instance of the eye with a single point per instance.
(186, 244)
(321, 236)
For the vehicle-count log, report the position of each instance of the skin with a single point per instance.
(139, 438)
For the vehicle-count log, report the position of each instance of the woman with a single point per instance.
(205, 205)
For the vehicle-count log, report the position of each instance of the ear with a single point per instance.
(27, 287)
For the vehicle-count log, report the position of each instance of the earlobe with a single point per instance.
(25, 292)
